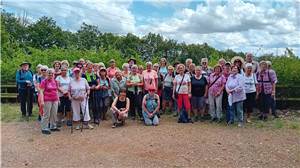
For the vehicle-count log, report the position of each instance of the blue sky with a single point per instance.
(249, 26)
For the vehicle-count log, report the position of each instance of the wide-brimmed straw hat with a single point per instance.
(237, 58)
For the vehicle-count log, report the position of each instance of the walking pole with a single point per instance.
(86, 102)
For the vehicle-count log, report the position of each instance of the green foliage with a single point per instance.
(44, 41)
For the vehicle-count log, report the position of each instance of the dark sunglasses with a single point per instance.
(43, 70)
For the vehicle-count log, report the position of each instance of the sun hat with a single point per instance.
(235, 58)
(25, 62)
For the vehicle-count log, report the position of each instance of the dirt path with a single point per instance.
(135, 145)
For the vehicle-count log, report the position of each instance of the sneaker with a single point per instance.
(190, 121)
(240, 125)
(248, 120)
(97, 122)
(213, 120)
(275, 116)
(89, 126)
(46, 132)
(78, 127)
(114, 125)
(265, 118)
(229, 123)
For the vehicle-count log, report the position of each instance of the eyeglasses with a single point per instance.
(43, 70)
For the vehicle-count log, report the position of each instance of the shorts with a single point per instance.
(198, 102)
(65, 105)
(183, 100)
(167, 93)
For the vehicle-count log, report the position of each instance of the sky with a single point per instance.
(260, 27)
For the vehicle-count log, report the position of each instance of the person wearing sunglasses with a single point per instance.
(49, 101)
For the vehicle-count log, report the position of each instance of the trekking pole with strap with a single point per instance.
(85, 109)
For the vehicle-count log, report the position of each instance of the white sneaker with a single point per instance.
(89, 126)
(77, 127)
(240, 125)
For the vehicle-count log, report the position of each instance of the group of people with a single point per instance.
(87, 91)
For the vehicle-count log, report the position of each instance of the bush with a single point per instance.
(9, 65)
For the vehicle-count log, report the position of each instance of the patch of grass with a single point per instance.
(278, 124)
(12, 113)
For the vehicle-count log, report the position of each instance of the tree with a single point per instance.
(45, 34)
(88, 37)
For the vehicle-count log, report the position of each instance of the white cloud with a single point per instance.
(109, 16)
(236, 24)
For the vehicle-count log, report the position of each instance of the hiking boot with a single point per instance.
(46, 132)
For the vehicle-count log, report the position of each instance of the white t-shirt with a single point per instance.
(250, 82)
(78, 88)
(184, 89)
(63, 83)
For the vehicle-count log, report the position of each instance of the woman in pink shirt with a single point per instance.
(49, 100)
(150, 78)
(216, 85)
(111, 71)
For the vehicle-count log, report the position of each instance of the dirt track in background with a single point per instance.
(168, 145)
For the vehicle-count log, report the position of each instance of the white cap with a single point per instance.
(44, 67)
(248, 65)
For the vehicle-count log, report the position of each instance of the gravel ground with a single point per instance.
(134, 145)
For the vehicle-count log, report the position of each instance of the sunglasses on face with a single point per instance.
(44, 70)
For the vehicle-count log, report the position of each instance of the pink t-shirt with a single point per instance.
(111, 72)
(149, 79)
(50, 90)
(217, 86)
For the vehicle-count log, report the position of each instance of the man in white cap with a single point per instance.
(249, 59)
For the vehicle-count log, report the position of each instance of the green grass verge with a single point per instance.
(12, 113)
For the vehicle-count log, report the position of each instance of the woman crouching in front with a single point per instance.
(119, 108)
(150, 105)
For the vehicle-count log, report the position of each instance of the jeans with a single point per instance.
(49, 115)
(215, 105)
(26, 99)
(236, 112)
(150, 121)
